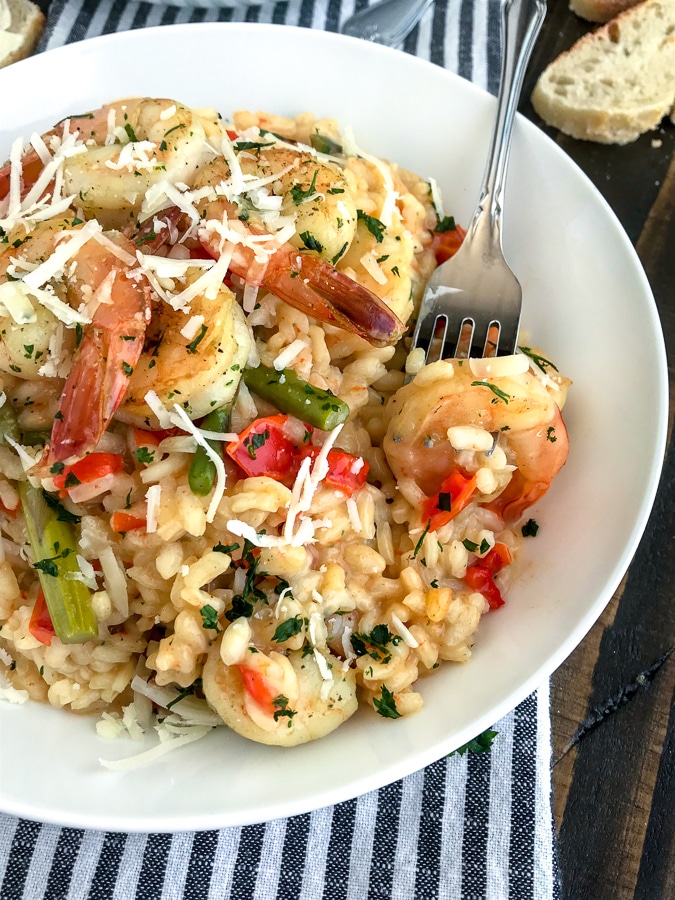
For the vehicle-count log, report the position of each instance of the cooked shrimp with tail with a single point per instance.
(503, 431)
(104, 160)
(80, 274)
(320, 222)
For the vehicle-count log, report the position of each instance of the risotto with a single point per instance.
(229, 491)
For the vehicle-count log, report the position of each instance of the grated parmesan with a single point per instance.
(404, 632)
(152, 496)
(289, 353)
(373, 268)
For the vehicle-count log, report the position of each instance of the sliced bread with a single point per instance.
(600, 10)
(617, 82)
(21, 26)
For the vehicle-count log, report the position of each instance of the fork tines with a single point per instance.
(457, 333)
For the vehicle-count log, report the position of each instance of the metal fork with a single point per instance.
(388, 22)
(476, 290)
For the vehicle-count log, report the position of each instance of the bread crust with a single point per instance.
(615, 83)
(27, 20)
(601, 10)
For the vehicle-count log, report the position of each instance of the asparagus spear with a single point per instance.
(297, 397)
(202, 474)
(54, 551)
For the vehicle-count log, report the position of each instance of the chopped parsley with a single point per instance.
(374, 644)
(281, 709)
(71, 480)
(499, 394)
(252, 145)
(386, 707)
(447, 223)
(444, 502)
(225, 548)
(418, 545)
(299, 195)
(374, 226)
(473, 547)
(194, 343)
(530, 528)
(242, 604)
(480, 744)
(340, 253)
(62, 514)
(49, 566)
(143, 455)
(310, 242)
(288, 629)
(209, 617)
(255, 441)
(150, 236)
(185, 692)
(541, 361)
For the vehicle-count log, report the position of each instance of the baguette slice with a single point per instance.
(615, 83)
(600, 10)
(21, 25)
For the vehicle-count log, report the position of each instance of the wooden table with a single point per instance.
(612, 700)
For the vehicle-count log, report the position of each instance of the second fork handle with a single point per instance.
(521, 23)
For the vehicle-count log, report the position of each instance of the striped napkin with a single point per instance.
(475, 825)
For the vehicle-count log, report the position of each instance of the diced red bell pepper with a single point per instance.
(147, 438)
(40, 624)
(264, 449)
(346, 473)
(89, 468)
(121, 522)
(497, 559)
(446, 243)
(480, 575)
(455, 493)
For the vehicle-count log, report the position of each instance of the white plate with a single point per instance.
(587, 303)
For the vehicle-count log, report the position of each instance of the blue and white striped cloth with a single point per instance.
(472, 827)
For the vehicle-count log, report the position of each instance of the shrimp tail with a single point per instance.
(318, 289)
(93, 391)
(542, 453)
(104, 362)
(330, 295)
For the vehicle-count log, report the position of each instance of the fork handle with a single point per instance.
(521, 23)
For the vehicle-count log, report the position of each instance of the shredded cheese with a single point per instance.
(152, 496)
(181, 419)
(289, 353)
(404, 632)
(373, 268)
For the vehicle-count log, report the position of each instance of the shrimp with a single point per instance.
(322, 226)
(200, 371)
(279, 699)
(61, 263)
(109, 158)
(450, 417)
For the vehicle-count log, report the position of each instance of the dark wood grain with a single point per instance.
(612, 700)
